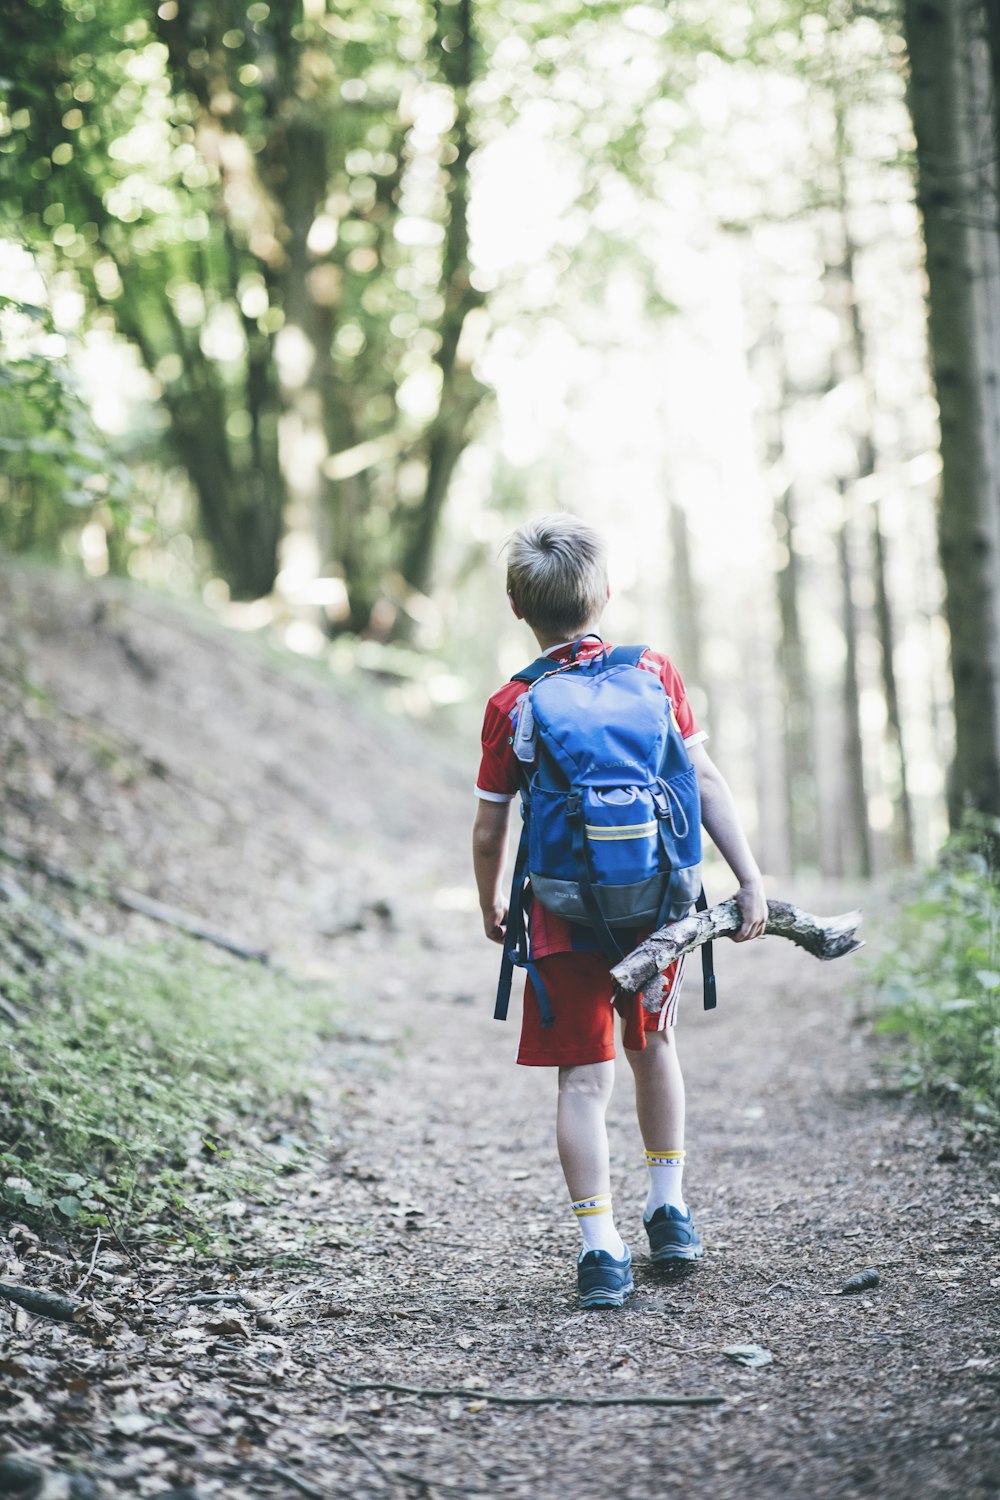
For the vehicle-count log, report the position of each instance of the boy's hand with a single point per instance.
(495, 922)
(753, 907)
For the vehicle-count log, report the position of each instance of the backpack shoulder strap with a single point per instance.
(626, 656)
(620, 656)
(539, 668)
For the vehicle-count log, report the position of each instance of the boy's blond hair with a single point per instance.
(557, 574)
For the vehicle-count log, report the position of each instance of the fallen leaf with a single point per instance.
(131, 1422)
(751, 1356)
(231, 1324)
(203, 1423)
(96, 1314)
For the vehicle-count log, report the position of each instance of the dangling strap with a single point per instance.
(707, 961)
(513, 943)
(541, 994)
(516, 952)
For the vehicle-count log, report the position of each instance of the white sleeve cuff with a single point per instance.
(494, 796)
(696, 739)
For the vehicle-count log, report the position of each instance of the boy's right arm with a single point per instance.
(489, 852)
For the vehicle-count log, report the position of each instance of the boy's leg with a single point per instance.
(581, 1044)
(582, 1139)
(659, 1106)
(659, 1094)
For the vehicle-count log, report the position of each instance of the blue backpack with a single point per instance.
(611, 835)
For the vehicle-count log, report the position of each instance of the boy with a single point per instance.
(557, 583)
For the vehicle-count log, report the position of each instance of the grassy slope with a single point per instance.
(146, 1077)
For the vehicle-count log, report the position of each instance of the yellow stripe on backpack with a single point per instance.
(607, 833)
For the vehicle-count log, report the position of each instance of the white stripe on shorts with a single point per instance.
(668, 1011)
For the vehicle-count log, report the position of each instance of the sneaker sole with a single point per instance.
(659, 1256)
(606, 1299)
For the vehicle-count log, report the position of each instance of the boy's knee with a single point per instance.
(658, 1044)
(591, 1079)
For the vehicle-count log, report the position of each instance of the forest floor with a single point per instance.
(430, 1246)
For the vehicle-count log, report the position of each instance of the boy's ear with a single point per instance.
(510, 600)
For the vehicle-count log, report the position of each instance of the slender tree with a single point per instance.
(457, 52)
(856, 352)
(956, 161)
(854, 814)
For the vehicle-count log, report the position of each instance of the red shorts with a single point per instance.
(579, 990)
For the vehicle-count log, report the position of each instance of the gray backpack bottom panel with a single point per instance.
(635, 905)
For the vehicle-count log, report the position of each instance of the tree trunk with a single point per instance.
(239, 508)
(240, 498)
(991, 11)
(797, 694)
(866, 468)
(894, 723)
(947, 61)
(856, 813)
(461, 393)
(685, 611)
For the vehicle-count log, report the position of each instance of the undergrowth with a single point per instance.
(146, 1085)
(939, 978)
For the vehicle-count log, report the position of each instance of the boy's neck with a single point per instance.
(546, 642)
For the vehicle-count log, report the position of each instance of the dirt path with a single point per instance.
(440, 1250)
(800, 1172)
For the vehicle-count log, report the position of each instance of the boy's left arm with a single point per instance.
(722, 822)
(489, 847)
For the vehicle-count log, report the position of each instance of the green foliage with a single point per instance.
(55, 464)
(271, 202)
(140, 1085)
(215, 177)
(940, 978)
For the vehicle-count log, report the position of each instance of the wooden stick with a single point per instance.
(146, 906)
(43, 1304)
(467, 1392)
(823, 937)
(172, 917)
(90, 1269)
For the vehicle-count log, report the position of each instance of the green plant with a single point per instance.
(939, 979)
(140, 1085)
(57, 467)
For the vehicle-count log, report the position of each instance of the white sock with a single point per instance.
(597, 1225)
(666, 1175)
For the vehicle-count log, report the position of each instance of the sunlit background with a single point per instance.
(680, 293)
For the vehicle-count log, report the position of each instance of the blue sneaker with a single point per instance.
(672, 1236)
(603, 1281)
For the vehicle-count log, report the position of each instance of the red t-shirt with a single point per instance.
(498, 776)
